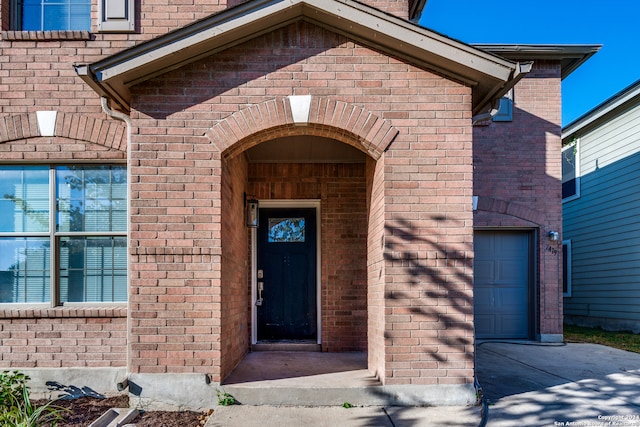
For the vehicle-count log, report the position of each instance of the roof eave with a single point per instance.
(618, 102)
(119, 95)
(571, 56)
(416, 8)
(484, 71)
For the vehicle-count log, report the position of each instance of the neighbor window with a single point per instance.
(52, 15)
(570, 172)
(63, 234)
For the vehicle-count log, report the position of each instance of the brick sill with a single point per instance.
(45, 35)
(61, 312)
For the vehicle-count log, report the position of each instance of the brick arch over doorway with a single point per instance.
(515, 214)
(343, 190)
(325, 117)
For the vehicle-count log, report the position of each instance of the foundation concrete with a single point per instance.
(172, 392)
(53, 383)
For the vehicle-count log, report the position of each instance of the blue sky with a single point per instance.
(613, 23)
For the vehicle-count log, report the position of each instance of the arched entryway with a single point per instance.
(317, 167)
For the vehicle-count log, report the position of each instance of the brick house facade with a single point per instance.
(377, 125)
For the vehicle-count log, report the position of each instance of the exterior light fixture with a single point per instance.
(554, 236)
(251, 212)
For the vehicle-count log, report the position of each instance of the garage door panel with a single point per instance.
(510, 326)
(510, 271)
(511, 300)
(485, 324)
(512, 245)
(501, 284)
(484, 300)
(484, 271)
(484, 245)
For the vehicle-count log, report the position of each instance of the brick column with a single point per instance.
(175, 251)
(427, 271)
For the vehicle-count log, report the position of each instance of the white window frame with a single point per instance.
(55, 236)
(574, 145)
(114, 16)
(16, 15)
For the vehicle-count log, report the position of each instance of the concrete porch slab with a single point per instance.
(329, 379)
(301, 378)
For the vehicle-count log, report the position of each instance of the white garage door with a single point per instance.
(502, 276)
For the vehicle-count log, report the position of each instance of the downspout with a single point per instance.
(122, 384)
(518, 73)
(493, 110)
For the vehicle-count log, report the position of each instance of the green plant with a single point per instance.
(225, 399)
(347, 405)
(624, 340)
(11, 386)
(16, 409)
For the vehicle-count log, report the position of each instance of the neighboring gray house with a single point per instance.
(601, 214)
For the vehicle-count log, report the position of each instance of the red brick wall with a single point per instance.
(428, 241)
(235, 274)
(518, 175)
(63, 338)
(425, 184)
(40, 74)
(376, 328)
(175, 247)
(343, 224)
(398, 8)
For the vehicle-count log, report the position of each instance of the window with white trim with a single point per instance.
(116, 16)
(570, 171)
(63, 234)
(51, 15)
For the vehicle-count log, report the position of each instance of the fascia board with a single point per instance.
(120, 95)
(188, 42)
(406, 38)
(395, 36)
(571, 56)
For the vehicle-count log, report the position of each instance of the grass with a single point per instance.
(621, 340)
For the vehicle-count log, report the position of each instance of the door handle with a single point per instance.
(260, 289)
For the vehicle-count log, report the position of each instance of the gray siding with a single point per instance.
(603, 225)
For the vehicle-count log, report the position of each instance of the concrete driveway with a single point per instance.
(559, 385)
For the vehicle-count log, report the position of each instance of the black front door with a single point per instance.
(287, 274)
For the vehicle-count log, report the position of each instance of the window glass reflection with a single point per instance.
(286, 230)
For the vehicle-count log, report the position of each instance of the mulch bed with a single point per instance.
(83, 411)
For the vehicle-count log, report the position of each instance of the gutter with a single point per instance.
(492, 101)
(105, 91)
